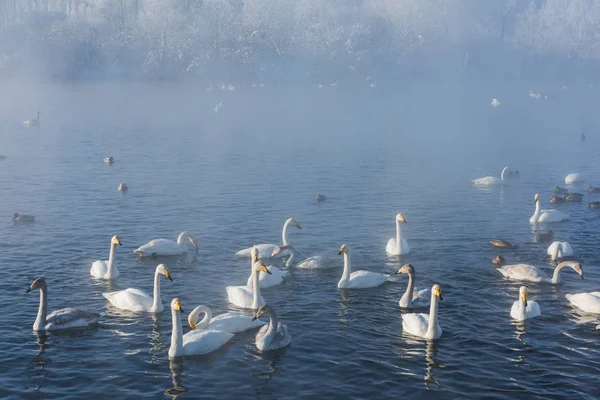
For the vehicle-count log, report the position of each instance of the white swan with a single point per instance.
(245, 297)
(491, 180)
(33, 121)
(193, 343)
(229, 322)
(265, 250)
(526, 272)
(60, 319)
(398, 246)
(137, 300)
(273, 277)
(559, 250)
(523, 309)
(425, 325)
(545, 216)
(358, 279)
(107, 269)
(573, 179)
(166, 247)
(412, 298)
(587, 302)
(273, 336)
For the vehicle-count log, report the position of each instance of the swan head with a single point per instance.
(261, 311)
(294, 222)
(162, 269)
(193, 317)
(437, 291)
(254, 253)
(498, 260)
(536, 198)
(260, 266)
(400, 218)
(344, 250)
(406, 269)
(577, 267)
(176, 305)
(279, 249)
(115, 241)
(523, 295)
(39, 283)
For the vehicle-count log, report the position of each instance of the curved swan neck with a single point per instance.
(503, 174)
(207, 317)
(347, 269)
(255, 289)
(537, 212)
(292, 257)
(273, 323)
(559, 267)
(284, 232)
(111, 261)
(40, 320)
(157, 304)
(408, 295)
(433, 315)
(182, 239)
(176, 348)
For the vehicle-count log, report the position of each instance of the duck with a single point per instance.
(574, 197)
(229, 322)
(265, 250)
(558, 199)
(523, 309)
(526, 272)
(594, 204)
(545, 216)
(573, 179)
(246, 297)
(545, 237)
(65, 318)
(492, 180)
(195, 342)
(587, 302)
(413, 298)
(138, 301)
(122, 187)
(109, 160)
(320, 198)
(273, 336)
(592, 189)
(358, 279)
(501, 243)
(107, 269)
(498, 260)
(558, 189)
(425, 325)
(398, 246)
(166, 247)
(33, 121)
(22, 219)
(558, 250)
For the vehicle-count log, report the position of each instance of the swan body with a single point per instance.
(273, 277)
(167, 247)
(526, 272)
(546, 216)
(425, 325)
(559, 250)
(138, 301)
(20, 218)
(244, 296)
(358, 279)
(573, 179)
(587, 302)
(122, 187)
(193, 343)
(229, 322)
(273, 336)
(523, 309)
(320, 198)
(65, 318)
(398, 246)
(315, 262)
(33, 121)
(109, 160)
(491, 180)
(265, 250)
(413, 298)
(107, 269)
(495, 102)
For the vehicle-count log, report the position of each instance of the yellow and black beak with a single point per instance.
(179, 308)
(340, 252)
(524, 298)
(298, 226)
(29, 290)
(401, 219)
(192, 325)
(264, 269)
(438, 293)
(118, 241)
(168, 275)
(255, 257)
(255, 317)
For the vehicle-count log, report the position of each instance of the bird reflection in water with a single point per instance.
(520, 336)
(38, 364)
(158, 346)
(432, 364)
(176, 366)
(265, 373)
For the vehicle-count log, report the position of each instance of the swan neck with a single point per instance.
(522, 309)
(40, 321)
(206, 320)
(272, 330)
(556, 275)
(433, 315)
(111, 261)
(176, 348)
(284, 232)
(292, 257)
(347, 268)
(157, 301)
(398, 234)
(503, 174)
(537, 212)
(255, 289)
(182, 240)
(408, 295)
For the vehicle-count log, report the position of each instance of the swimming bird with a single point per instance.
(320, 198)
(534, 95)
(594, 204)
(244, 296)
(495, 102)
(107, 269)
(501, 243)
(587, 302)
(573, 179)
(138, 301)
(498, 260)
(109, 160)
(398, 245)
(265, 250)
(166, 247)
(574, 197)
(491, 180)
(592, 189)
(193, 343)
(20, 218)
(33, 121)
(229, 322)
(545, 237)
(558, 199)
(526, 272)
(425, 325)
(558, 189)
(545, 216)
(412, 298)
(273, 277)
(558, 250)
(280, 249)
(358, 279)
(122, 187)
(273, 336)
(60, 319)
(523, 309)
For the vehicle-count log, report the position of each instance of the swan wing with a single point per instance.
(160, 247)
(267, 280)
(588, 302)
(421, 298)
(487, 180)
(415, 324)
(366, 279)
(234, 323)
(70, 318)
(264, 251)
(282, 337)
(392, 246)
(99, 269)
(514, 311)
(533, 309)
(547, 216)
(523, 272)
(204, 342)
(130, 299)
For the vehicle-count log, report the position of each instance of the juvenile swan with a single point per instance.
(526, 272)
(358, 279)
(265, 250)
(193, 343)
(167, 247)
(229, 322)
(545, 216)
(137, 300)
(59, 319)
(413, 298)
(272, 336)
(245, 297)
(107, 269)
(398, 246)
(492, 180)
(523, 309)
(281, 249)
(425, 325)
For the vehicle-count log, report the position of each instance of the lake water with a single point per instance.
(232, 178)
